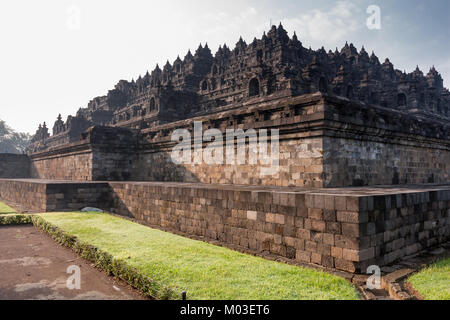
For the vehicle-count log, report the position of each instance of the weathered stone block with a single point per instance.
(350, 230)
(303, 256)
(252, 215)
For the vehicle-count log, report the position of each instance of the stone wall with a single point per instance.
(343, 229)
(346, 229)
(14, 166)
(76, 196)
(300, 164)
(72, 166)
(91, 164)
(114, 152)
(109, 165)
(43, 196)
(103, 154)
(313, 162)
(366, 145)
(378, 226)
(325, 141)
(24, 194)
(350, 162)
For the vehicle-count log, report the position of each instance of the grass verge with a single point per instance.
(162, 265)
(106, 262)
(5, 209)
(14, 219)
(433, 282)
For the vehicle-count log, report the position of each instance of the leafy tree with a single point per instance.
(12, 141)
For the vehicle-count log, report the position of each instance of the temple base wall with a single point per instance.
(347, 229)
(343, 229)
(300, 164)
(312, 162)
(72, 166)
(14, 166)
(324, 141)
(44, 196)
(362, 162)
(26, 194)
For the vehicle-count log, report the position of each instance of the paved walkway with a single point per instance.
(354, 191)
(33, 266)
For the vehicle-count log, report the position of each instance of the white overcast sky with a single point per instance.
(49, 66)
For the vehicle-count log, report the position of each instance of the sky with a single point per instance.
(56, 55)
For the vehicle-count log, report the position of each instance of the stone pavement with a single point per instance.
(34, 267)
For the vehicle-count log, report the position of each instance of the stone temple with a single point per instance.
(364, 149)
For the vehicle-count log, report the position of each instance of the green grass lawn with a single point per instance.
(6, 209)
(203, 270)
(433, 283)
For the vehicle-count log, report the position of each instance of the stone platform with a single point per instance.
(34, 195)
(343, 228)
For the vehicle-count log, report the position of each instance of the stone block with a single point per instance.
(344, 265)
(352, 204)
(328, 238)
(329, 202)
(316, 258)
(333, 227)
(337, 252)
(329, 215)
(303, 256)
(316, 214)
(303, 234)
(317, 225)
(340, 203)
(350, 230)
(352, 217)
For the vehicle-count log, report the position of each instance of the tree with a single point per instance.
(12, 141)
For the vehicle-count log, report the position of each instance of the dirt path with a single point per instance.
(33, 266)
